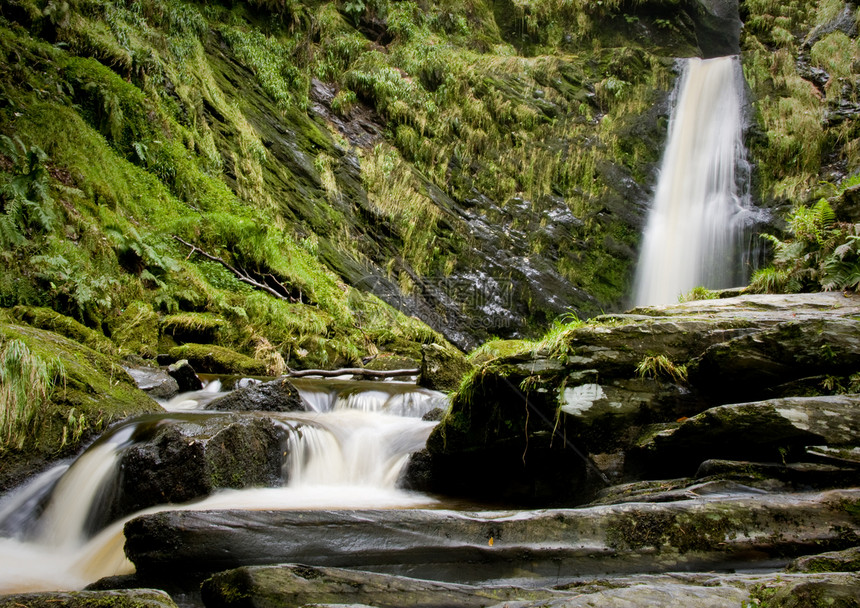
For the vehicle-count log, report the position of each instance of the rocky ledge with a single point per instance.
(654, 393)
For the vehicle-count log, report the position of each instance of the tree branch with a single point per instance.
(355, 371)
(239, 273)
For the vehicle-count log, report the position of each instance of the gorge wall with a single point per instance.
(481, 166)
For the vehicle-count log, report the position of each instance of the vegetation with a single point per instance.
(821, 254)
(26, 384)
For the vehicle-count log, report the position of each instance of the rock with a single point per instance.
(190, 459)
(762, 431)
(276, 396)
(710, 532)
(50, 320)
(185, 376)
(554, 422)
(157, 383)
(131, 598)
(301, 585)
(211, 359)
(796, 475)
(442, 368)
(835, 561)
(842, 591)
(745, 368)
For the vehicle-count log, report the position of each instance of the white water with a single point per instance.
(340, 459)
(695, 230)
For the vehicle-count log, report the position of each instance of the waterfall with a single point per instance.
(346, 452)
(695, 231)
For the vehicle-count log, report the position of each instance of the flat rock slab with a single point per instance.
(297, 585)
(704, 533)
(131, 598)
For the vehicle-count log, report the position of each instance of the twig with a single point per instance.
(355, 371)
(240, 274)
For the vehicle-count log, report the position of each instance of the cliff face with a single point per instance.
(482, 166)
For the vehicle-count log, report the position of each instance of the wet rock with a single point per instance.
(531, 426)
(131, 598)
(834, 561)
(155, 381)
(442, 368)
(744, 368)
(185, 376)
(797, 475)
(276, 396)
(295, 585)
(763, 431)
(190, 459)
(716, 531)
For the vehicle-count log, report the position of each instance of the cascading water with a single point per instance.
(701, 213)
(346, 451)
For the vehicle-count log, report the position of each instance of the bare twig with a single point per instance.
(355, 371)
(239, 273)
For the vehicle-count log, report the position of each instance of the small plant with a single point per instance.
(698, 293)
(26, 206)
(660, 366)
(26, 384)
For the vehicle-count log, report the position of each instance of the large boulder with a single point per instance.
(276, 396)
(760, 431)
(190, 458)
(211, 359)
(558, 421)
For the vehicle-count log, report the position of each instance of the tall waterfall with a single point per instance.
(695, 230)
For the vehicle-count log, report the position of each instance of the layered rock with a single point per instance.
(652, 393)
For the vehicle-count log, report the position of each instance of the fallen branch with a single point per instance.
(355, 371)
(240, 274)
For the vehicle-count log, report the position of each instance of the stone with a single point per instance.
(275, 396)
(442, 368)
(833, 561)
(763, 431)
(156, 382)
(131, 598)
(302, 585)
(211, 359)
(185, 376)
(715, 531)
(191, 458)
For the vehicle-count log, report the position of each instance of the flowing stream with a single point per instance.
(701, 215)
(354, 441)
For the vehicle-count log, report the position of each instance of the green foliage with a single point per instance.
(26, 205)
(556, 342)
(660, 366)
(698, 293)
(26, 384)
(822, 254)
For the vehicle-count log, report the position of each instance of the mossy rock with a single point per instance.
(390, 361)
(442, 368)
(210, 359)
(130, 598)
(135, 330)
(833, 561)
(95, 392)
(48, 319)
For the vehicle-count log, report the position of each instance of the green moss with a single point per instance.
(212, 359)
(45, 318)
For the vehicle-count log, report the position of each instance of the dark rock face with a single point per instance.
(189, 459)
(275, 396)
(185, 376)
(601, 405)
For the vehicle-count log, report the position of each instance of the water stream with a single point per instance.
(355, 439)
(698, 227)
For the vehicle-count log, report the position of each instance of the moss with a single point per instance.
(45, 318)
(210, 359)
